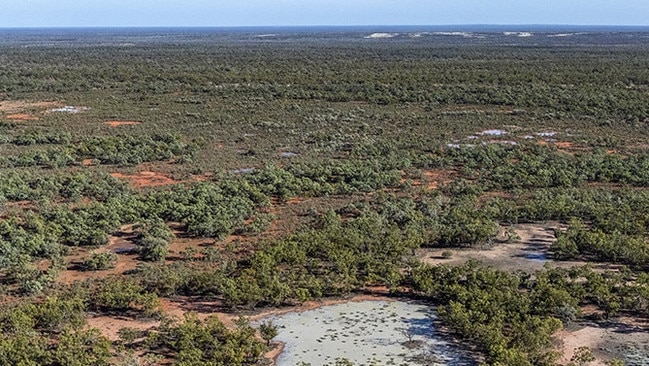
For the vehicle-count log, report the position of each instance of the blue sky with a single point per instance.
(54, 13)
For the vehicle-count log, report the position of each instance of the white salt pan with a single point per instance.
(363, 332)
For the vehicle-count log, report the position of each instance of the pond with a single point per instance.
(365, 333)
(537, 257)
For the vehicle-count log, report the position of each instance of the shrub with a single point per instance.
(99, 261)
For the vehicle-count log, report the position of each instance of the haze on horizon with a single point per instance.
(171, 13)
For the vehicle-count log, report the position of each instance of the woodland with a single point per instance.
(254, 174)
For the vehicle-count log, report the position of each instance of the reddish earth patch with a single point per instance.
(179, 246)
(18, 206)
(146, 179)
(22, 117)
(564, 144)
(201, 177)
(277, 201)
(495, 194)
(120, 242)
(274, 353)
(179, 306)
(109, 326)
(87, 162)
(437, 177)
(21, 204)
(559, 144)
(570, 341)
(19, 106)
(432, 179)
(121, 123)
(295, 200)
(125, 263)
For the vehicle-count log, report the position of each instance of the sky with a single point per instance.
(220, 13)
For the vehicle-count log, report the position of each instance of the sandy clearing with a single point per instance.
(529, 253)
(22, 117)
(623, 338)
(177, 307)
(124, 263)
(278, 201)
(24, 204)
(146, 179)
(569, 341)
(435, 178)
(109, 326)
(20, 106)
(120, 243)
(202, 177)
(274, 353)
(180, 244)
(121, 123)
(564, 144)
(150, 178)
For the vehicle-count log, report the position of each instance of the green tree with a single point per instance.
(268, 331)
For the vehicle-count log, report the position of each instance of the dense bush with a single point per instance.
(99, 261)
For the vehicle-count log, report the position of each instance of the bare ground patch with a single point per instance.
(146, 179)
(109, 326)
(624, 338)
(22, 117)
(434, 178)
(122, 123)
(20, 106)
(529, 253)
(429, 179)
(120, 243)
(180, 246)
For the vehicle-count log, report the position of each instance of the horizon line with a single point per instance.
(330, 26)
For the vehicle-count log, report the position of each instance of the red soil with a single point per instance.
(19, 106)
(22, 117)
(201, 177)
(564, 144)
(121, 123)
(146, 179)
(125, 262)
(109, 326)
(437, 177)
